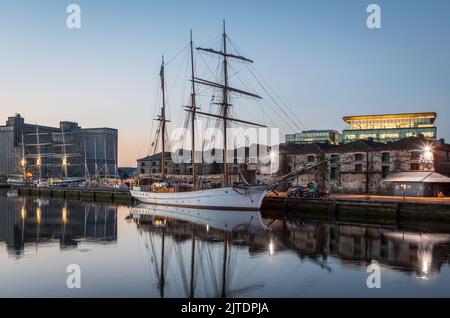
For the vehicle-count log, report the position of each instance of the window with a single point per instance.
(142, 171)
(385, 157)
(415, 155)
(334, 159)
(385, 170)
(359, 167)
(142, 164)
(311, 158)
(334, 173)
(359, 157)
(415, 166)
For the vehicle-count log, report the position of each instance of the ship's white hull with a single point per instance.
(249, 199)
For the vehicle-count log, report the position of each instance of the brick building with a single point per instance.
(365, 166)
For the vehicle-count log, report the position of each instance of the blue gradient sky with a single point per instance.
(319, 56)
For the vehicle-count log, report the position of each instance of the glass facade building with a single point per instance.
(310, 136)
(390, 127)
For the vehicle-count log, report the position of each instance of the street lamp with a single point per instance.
(428, 153)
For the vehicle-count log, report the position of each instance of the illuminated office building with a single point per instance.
(309, 136)
(390, 127)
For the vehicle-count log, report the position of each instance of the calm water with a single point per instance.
(120, 252)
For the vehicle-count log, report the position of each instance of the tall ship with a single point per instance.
(241, 196)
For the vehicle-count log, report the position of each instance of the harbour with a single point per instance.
(150, 252)
(224, 158)
(388, 210)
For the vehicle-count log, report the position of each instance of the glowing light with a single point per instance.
(207, 228)
(64, 215)
(38, 161)
(23, 213)
(23, 162)
(64, 161)
(38, 215)
(271, 248)
(425, 258)
(428, 153)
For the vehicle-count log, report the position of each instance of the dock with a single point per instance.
(95, 195)
(340, 208)
(387, 210)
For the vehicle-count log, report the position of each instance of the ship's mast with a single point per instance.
(193, 108)
(23, 161)
(162, 119)
(39, 159)
(64, 158)
(105, 158)
(86, 169)
(95, 158)
(226, 90)
(225, 106)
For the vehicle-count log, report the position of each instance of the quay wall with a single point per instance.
(80, 194)
(380, 212)
(343, 210)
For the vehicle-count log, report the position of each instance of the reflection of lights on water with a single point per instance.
(271, 248)
(64, 215)
(425, 258)
(23, 213)
(38, 215)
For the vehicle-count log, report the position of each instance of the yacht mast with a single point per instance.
(86, 169)
(162, 119)
(193, 108)
(106, 164)
(64, 158)
(225, 107)
(95, 158)
(226, 90)
(23, 161)
(39, 159)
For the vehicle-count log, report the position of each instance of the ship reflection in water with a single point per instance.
(33, 223)
(149, 251)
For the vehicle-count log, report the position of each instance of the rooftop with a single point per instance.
(431, 115)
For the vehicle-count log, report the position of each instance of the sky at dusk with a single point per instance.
(318, 56)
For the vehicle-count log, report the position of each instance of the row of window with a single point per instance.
(385, 170)
(385, 157)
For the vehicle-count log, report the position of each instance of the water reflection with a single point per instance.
(26, 222)
(203, 228)
(148, 251)
(355, 246)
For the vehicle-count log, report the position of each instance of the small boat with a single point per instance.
(12, 193)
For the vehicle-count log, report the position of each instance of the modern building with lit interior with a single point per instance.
(390, 127)
(320, 136)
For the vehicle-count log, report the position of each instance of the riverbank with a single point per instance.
(95, 195)
(384, 210)
(343, 208)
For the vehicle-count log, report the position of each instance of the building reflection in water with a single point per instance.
(27, 222)
(357, 246)
(211, 237)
